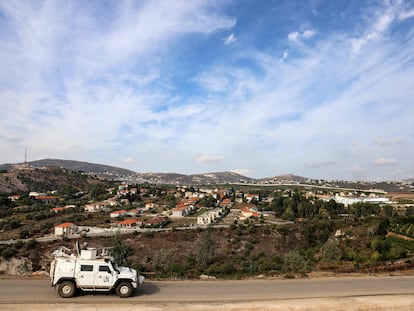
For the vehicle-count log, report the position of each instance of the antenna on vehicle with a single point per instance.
(78, 249)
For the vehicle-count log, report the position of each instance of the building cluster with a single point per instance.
(132, 207)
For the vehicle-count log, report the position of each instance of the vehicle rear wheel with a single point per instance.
(66, 289)
(124, 289)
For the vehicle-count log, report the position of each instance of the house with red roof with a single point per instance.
(129, 223)
(157, 221)
(67, 228)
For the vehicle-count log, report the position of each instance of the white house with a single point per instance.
(208, 217)
(95, 207)
(150, 205)
(250, 196)
(180, 211)
(65, 229)
(116, 214)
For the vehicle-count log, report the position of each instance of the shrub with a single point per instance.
(294, 262)
(8, 252)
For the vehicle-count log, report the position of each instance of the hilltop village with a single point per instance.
(132, 206)
(221, 229)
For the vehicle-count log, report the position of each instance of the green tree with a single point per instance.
(98, 192)
(388, 210)
(206, 250)
(294, 262)
(120, 251)
(331, 251)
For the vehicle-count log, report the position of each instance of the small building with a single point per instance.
(67, 228)
(248, 212)
(181, 210)
(128, 223)
(58, 209)
(124, 201)
(120, 213)
(157, 221)
(14, 197)
(34, 194)
(250, 196)
(95, 207)
(134, 212)
(47, 199)
(149, 205)
(208, 217)
(226, 202)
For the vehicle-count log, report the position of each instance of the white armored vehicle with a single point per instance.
(91, 270)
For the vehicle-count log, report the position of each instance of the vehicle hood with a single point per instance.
(132, 273)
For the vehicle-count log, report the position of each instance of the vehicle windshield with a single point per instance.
(114, 265)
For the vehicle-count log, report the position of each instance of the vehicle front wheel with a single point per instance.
(124, 289)
(66, 289)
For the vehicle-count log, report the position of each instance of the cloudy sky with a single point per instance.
(322, 89)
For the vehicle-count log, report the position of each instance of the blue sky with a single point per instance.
(323, 89)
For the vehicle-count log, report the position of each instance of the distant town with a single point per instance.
(143, 201)
(246, 226)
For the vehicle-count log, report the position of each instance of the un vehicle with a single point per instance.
(91, 270)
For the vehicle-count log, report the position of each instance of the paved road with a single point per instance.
(35, 291)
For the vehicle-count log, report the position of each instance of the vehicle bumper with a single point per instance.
(134, 284)
(141, 279)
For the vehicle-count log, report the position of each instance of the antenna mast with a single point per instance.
(25, 156)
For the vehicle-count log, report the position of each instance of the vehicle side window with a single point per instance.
(104, 269)
(86, 268)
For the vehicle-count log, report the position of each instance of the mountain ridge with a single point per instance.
(117, 173)
(173, 178)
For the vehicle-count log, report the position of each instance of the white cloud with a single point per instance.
(391, 141)
(380, 23)
(230, 39)
(298, 37)
(307, 34)
(284, 56)
(294, 36)
(405, 14)
(385, 161)
(204, 158)
(319, 164)
(213, 82)
(128, 160)
(103, 84)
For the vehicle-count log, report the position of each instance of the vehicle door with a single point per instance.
(85, 276)
(104, 276)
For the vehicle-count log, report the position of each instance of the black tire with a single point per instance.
(66, 289)
(124, 289)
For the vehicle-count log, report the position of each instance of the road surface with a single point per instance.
(343, 293)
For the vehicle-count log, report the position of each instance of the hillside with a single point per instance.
(77, 166)
(196, 179)
(286, 178)
(46, 179)
(227, 177)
